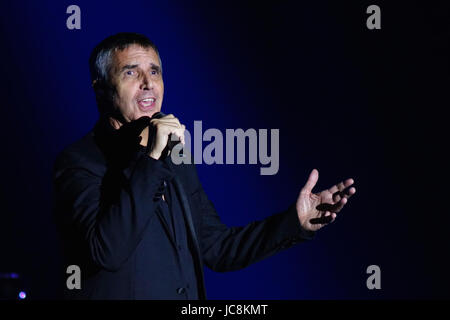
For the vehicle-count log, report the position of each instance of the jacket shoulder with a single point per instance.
(82, 154)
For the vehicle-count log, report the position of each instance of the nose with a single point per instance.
(146, 82)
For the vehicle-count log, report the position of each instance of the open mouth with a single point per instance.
(147, 103)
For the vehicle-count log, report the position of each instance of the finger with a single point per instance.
(332, 207)
(341, 185)
(169, 124)
(333, 217)
(312, 180)
(167, 119)
(179, 133)
(338, 205)
(174, 121)
(346, 193)
(182, 139)
(169, 127)
(177, 121)
(158, 116)
(322, 220)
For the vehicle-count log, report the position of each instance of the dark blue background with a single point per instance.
(348, 101)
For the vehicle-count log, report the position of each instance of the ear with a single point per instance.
(99, 88)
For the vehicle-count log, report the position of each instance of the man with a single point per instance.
(139, 226)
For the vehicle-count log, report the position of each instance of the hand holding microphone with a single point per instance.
(161, 128)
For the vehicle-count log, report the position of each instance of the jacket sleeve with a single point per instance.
(232, 248)
(109, 229)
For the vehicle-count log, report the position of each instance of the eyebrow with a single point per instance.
(132, 66)
(128, 66)
(155, 67)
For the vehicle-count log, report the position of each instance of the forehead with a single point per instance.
(135, 54)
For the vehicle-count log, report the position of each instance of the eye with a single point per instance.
(154, 72)
(130, 73)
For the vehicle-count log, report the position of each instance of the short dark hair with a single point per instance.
(100, 63)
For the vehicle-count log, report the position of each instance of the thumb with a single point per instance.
(312, 180)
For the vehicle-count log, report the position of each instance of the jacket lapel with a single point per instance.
(188, 217)
(166, 227)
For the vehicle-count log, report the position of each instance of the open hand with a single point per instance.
(316, 210)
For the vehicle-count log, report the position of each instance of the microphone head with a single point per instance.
(158, 115)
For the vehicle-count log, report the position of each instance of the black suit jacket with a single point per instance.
(110, 228)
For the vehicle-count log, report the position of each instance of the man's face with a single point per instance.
(136, 76)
